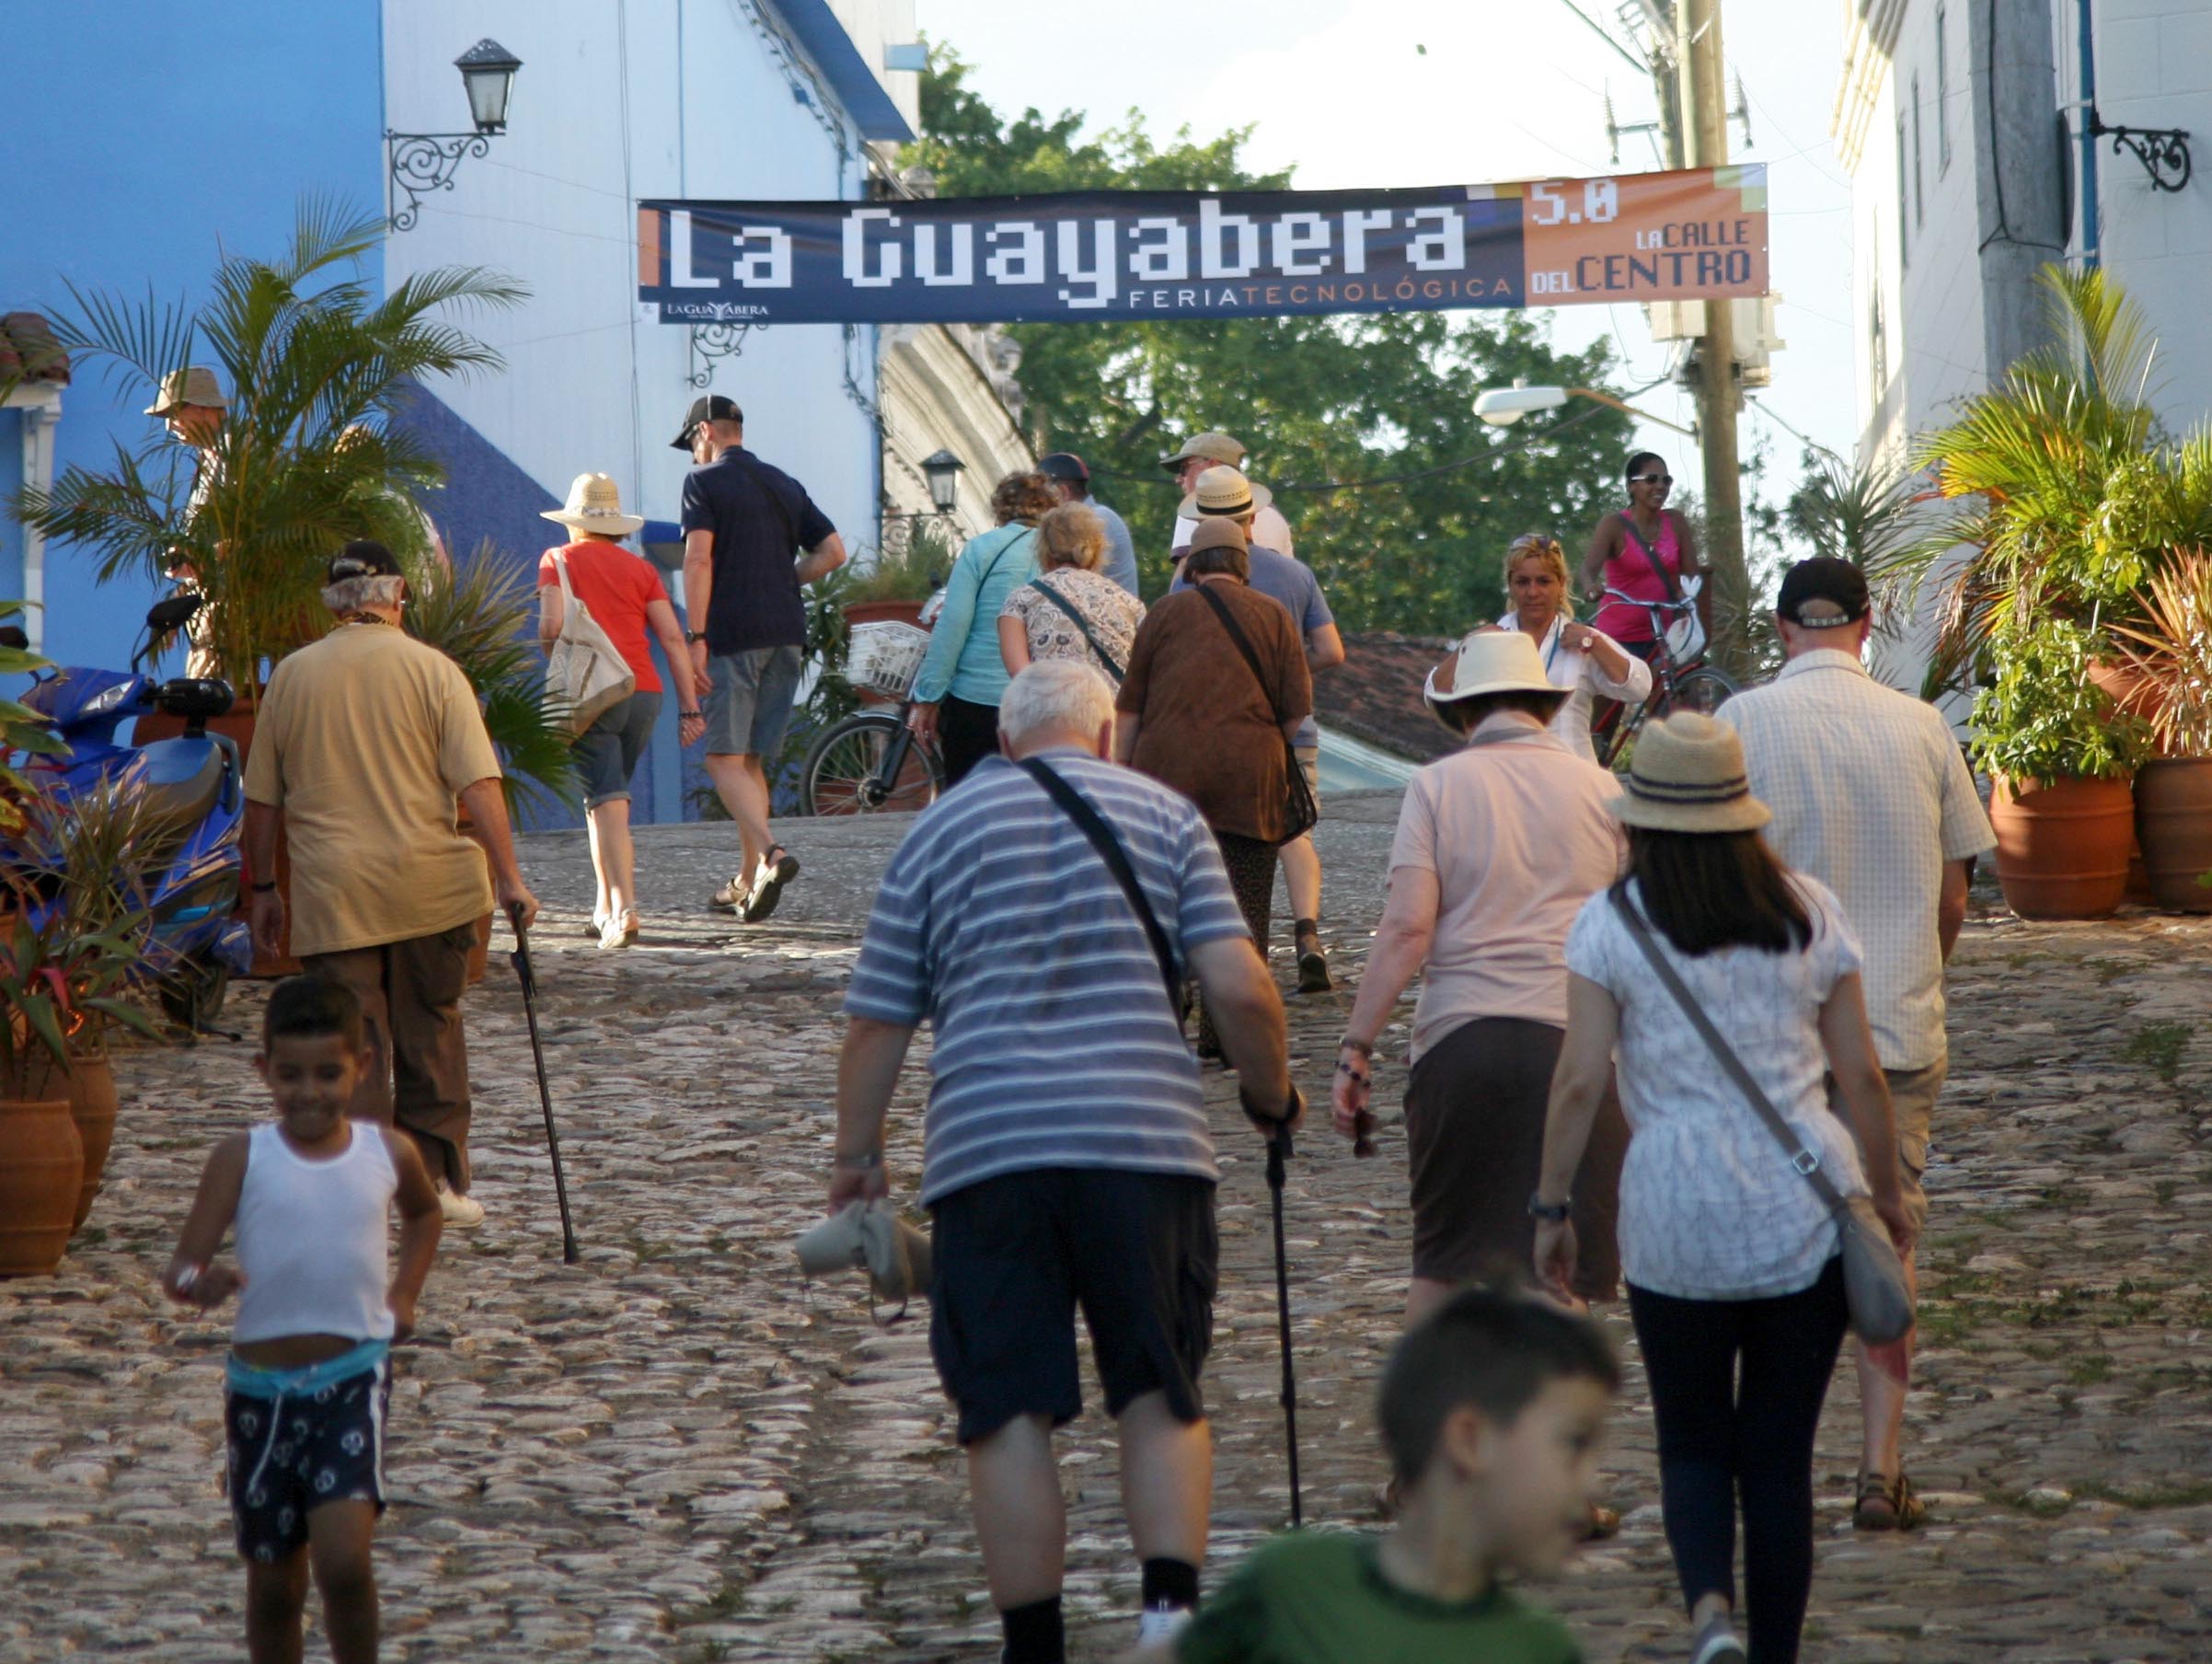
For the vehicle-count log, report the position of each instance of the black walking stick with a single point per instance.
(1278, 1151)
(520, 959)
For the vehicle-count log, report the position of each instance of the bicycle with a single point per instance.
(1687, 685)
(871, 763)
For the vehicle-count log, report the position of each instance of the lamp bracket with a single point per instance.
(423, 162)
(711, 342)
(2163, 150)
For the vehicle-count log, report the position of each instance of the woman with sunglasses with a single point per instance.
(1585, 662)
(1641, 550)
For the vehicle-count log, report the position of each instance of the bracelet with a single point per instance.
(1557, 1213)
(263, 889)
(689, 716)
(866, 1161)
(1366, 1048)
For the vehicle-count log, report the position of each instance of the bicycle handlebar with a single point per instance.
(1684, 605)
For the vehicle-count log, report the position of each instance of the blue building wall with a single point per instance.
(162, 136)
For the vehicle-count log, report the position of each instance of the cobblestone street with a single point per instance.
(677, 1450)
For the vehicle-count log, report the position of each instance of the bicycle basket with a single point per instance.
(886, 657)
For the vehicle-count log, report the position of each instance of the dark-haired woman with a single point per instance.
(1644, 551)
(1735, 1284)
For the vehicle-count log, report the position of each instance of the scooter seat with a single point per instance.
(183, 781)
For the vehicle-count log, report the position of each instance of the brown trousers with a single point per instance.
(411, 1003)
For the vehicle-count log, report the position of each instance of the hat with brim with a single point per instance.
(1687, 775)
(1223, 491)
(1212, 447)
(1216, 533)
(1490, 660)
(706, 406)
(196, 385)
(595, 506)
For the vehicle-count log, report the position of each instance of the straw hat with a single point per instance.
(1223, 491)
(1490, 660)
(595, 506)
(1687, 775)
(195, 385)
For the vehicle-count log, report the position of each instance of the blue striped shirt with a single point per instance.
(1055, 1046)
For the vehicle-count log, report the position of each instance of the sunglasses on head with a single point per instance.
(1652, 479)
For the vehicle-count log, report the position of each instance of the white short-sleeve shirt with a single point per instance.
(1711, 1208)
(1585, 682)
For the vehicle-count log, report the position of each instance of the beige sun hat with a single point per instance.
(595, 506)
(1213, 446)
(1687, 775)
(1223, 490)
(1490, 660)
(195, 385)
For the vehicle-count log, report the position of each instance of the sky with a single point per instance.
(1505, 89)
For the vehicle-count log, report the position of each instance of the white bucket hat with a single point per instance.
(595, 506)
(1490, 660)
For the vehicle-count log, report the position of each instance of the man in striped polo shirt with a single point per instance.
(1066, 1155)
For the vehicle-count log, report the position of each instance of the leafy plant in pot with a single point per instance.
(2170, 653)
(2060, 759)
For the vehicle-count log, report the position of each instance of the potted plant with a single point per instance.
(2169, 652)
(899, 580)
(2061, 760)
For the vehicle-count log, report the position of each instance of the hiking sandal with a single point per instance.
(1886, 1504)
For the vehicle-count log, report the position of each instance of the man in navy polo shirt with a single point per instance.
(751, 541)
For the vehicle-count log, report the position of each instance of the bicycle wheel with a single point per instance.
(1703, 689)
(844, 771)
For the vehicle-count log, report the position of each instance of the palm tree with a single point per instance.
(307, 456)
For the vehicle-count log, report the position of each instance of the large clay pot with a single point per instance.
(89, 1086)
(2174, 823)
(2062, 848)
(875, 612)
(41, 1167)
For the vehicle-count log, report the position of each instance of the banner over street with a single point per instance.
(1700, 235)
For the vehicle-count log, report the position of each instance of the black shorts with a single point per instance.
(1016, 1255)
(288, 1456)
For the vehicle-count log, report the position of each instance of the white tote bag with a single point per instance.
(584, 673)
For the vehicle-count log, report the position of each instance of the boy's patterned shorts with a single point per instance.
(287, 1456)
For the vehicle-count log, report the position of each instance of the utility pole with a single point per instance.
(1701, 126)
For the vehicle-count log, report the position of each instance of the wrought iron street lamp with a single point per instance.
(943, 469)
(423, 162)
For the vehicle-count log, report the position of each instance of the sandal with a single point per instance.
(1886, 1504)
(778, 868)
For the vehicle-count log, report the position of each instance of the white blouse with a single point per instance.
(1585, 680)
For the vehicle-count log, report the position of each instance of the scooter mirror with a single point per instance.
(173, 613)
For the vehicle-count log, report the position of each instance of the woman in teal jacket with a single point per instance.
(957, 694)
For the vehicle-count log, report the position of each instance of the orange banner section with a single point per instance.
(650, 222)
(1700, 235)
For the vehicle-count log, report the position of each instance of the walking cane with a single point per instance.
(1278, 1151)
(520, 959)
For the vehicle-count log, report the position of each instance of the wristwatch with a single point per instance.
(694, 635)
(1555, 1212)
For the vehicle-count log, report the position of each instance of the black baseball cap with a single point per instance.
(1824, 578)
(1063, 465)
(707, 407)
(363, 559)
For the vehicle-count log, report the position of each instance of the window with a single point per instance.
(1942, 99)
(1920, 192)
(1904, 192)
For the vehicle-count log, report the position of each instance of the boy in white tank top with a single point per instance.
(309, 1374)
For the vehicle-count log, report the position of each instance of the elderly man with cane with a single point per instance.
(1039, 918)
(363, 741)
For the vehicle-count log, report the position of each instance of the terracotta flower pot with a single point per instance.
(876, 612)
(2174, 823)
(41, 1167)
(2062, 848)
(90, 1085)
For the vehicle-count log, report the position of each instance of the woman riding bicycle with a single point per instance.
(1645, 552)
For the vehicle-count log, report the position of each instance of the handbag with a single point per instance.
(1881, 1300)
(1299, 810)
(1114, 668)
(1686, 635)
(1092, 825)
(584, 673)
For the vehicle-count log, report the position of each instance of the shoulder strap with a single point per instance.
(1244, 645)
(1651, 559)
(1113, 668)
(1805, 1160)
(1093, 827)
(1026, 531)
(561, 572)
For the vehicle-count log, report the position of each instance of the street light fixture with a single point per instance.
(1502, 407)
(423, 162)
(943, 469)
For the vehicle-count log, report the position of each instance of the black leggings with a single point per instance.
(1251, 868)
(1721, 1437)
(966, 734)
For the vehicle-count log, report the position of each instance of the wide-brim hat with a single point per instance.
(1223, 491)
(196, 385)
(1213, 446)
(1687, 775)
(595, 506)
(1490, 660)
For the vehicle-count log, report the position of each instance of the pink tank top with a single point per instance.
(1631, 575)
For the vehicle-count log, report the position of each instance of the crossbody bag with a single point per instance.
(1686, 632)
(1299, 809)
(1114, 668)
(1873, 1277)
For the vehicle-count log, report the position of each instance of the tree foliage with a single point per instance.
(1354, 420)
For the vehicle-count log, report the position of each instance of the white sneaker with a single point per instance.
(1156, 1625)
(620, 932)
(462, 1212)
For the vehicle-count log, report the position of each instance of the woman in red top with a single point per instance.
(625, 598)
(1622, 551)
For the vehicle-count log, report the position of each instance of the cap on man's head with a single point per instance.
(707, 407)
(1063, 465)
(1212, 447)
(196, 385)
(1823, 594)
(363, 559)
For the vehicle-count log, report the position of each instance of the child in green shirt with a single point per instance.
(1490, 1410)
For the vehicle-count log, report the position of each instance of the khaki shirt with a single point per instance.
(365, 740)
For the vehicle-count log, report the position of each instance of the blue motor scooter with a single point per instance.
(194, 786)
